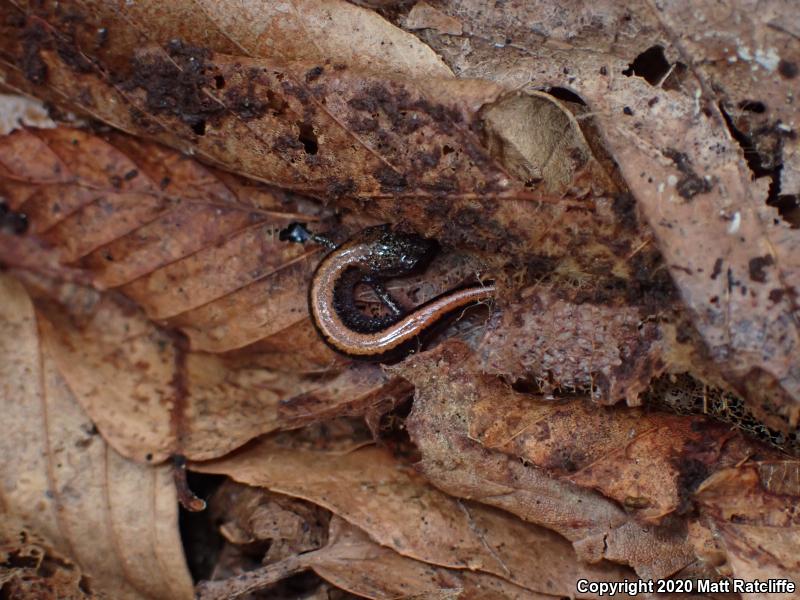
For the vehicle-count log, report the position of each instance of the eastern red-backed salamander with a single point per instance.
(370, 257)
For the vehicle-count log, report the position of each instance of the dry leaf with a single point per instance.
(357, 560)
(731, 255)
(116, 519)
(648, 462)
(371, 490)
(751, 511)
(354, 562)
(461, 467)
(151, 397)
(31, 568)
(611, 351)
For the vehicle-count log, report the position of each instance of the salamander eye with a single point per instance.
(407, 260)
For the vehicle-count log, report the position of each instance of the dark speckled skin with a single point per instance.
(371, 256)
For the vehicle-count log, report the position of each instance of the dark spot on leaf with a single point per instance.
(13, 222)
(340, 189)
(717, 268)
(175, 87)
(390, 180)
(691, 473)
(277, 105)
(691, 183)
(308, 138)
(199, 127)
(34, 38)
(757, 266)
(566, 95)
(787, 69)
(247, 104)
(753, 106)
(776, 295)
(313, 74)
(624, 207)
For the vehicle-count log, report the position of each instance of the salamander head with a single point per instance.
(394, 254)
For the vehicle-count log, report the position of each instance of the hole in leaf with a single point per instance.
(308, 138)
(446, 149)
(219, 81)
(788, 205)
(566, 95)
(751, 155)
(651, 64)
(199, 127)
(753, 106)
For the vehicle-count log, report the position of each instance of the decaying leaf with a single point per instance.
(626, 174)
(731, 255)
(116, 519)
(751, 512)
(31, 568)
(616, 453)
(354, 562)
(371, 490)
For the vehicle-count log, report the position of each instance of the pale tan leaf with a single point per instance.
(316, 31)
(115, 518)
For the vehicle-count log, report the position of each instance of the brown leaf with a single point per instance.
(354, 562)
(360, 565)
(31, 568)
(648, 462)
(348, 135)
(369, 489)
(459, 465)
(171, 234)
(732, 257)
(751, 510)
(605, 349)
(539, 139)
(313, 31)
(115, 518)
(424, 16)
(151, 397)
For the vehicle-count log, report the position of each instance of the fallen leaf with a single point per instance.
(166, 398)
(610, 351)
(30, 567)
(597, 527)
(730, 255)
(116, 519)
(371, 490)
(751, 511)
(352, 561)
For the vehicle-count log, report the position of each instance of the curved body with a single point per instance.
(369, 257)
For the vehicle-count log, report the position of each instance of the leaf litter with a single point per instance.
(650, 251)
